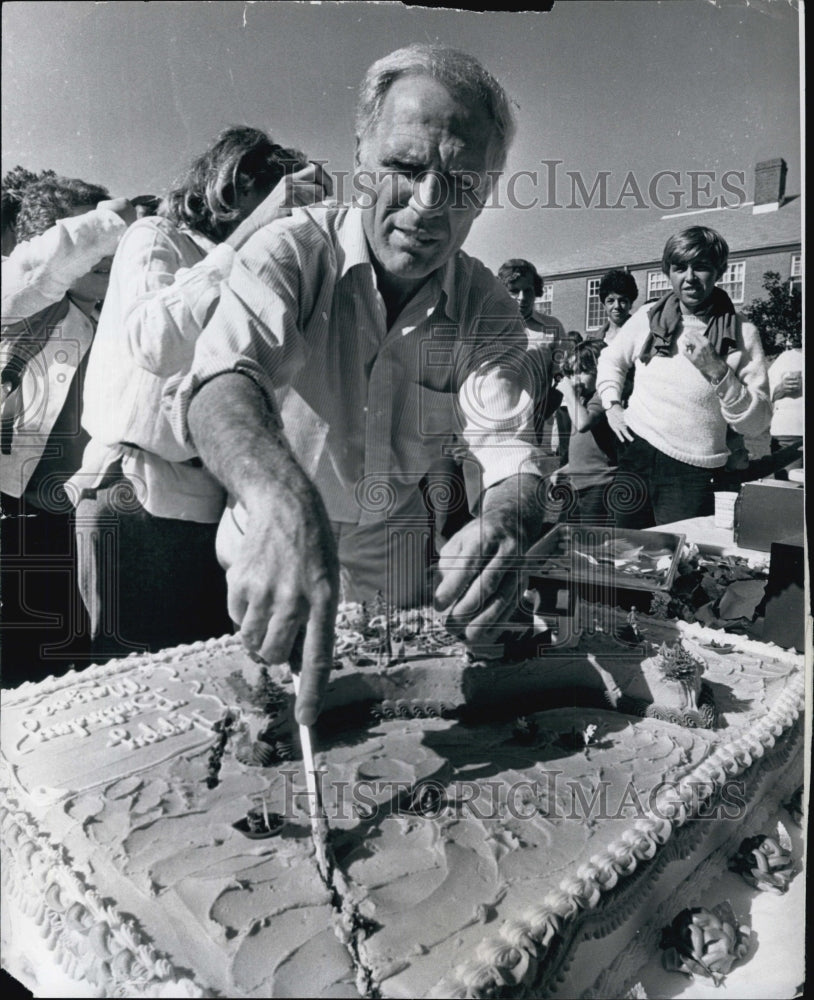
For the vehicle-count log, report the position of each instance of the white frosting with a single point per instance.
(111, 765)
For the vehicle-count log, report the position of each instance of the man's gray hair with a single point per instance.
(463, 76)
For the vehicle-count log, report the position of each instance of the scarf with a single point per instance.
(665, 321)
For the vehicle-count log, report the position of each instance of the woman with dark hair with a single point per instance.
(148, 510)
(617, 293)
(699, 370)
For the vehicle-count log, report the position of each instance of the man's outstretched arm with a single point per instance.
(285, 578)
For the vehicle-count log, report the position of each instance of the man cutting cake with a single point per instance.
(351, 348)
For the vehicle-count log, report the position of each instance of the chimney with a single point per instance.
(770, 185)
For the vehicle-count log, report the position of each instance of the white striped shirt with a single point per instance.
(367, 408)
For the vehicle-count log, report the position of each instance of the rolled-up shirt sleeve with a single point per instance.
(166, 305)
(744, 390)
(40, 271)
(496, 402)
(256, 328)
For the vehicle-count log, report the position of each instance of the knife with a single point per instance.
(319, 822)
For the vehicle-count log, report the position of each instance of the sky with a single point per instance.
(126, 94)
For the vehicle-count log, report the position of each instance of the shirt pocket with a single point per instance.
(426, 424)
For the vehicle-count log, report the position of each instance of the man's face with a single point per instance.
(522, 291)
(693, 282)
(422, 160)
(617, 308)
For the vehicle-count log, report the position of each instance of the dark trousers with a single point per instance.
(44, 626)
(592, 506)
(147, 582)
(651, 488)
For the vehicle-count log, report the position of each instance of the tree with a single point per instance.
(779, 316)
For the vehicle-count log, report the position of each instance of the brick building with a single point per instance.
(763, 235)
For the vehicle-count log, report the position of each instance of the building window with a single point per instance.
(546, 300)
(732, 280)
(594, 313)
(796, 271)
(657, 284)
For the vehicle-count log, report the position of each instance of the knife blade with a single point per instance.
(319, 822)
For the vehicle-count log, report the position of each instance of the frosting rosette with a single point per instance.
(765, 863)
(704, 942)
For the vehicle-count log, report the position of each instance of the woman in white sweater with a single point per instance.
(699, 367)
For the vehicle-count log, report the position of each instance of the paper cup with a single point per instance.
(725, 510)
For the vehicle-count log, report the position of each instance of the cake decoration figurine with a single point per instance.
(425, 799)
(668, 687)
(631, 633)
(578, 739)
(259, 823)
(704, 942)
(223, 727)
(671, 685)
(266, 741)
(765, 862)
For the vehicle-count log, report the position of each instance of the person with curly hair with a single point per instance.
(14, 186)
(147, 509)
(53, 283)
(617, 293)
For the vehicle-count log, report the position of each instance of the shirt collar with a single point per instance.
(350, 235)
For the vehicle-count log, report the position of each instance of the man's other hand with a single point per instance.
(481, 567)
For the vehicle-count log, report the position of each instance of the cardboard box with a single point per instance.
(785, 614)
(769, 510)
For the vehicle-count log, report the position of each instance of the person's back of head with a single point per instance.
(583, 358)
(14, 185)
(145, 205)
(241, 160)
(48, 200)
(517, 269)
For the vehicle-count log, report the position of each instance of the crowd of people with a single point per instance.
(237, 405)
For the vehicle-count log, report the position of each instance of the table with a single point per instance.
(710, 539)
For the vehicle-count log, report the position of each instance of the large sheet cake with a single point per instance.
(497, 829)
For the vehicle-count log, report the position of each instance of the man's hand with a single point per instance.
(122, 208)
(283, 587)
(481, 574)
(618, 423)
(283, 575)
(305, 187)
